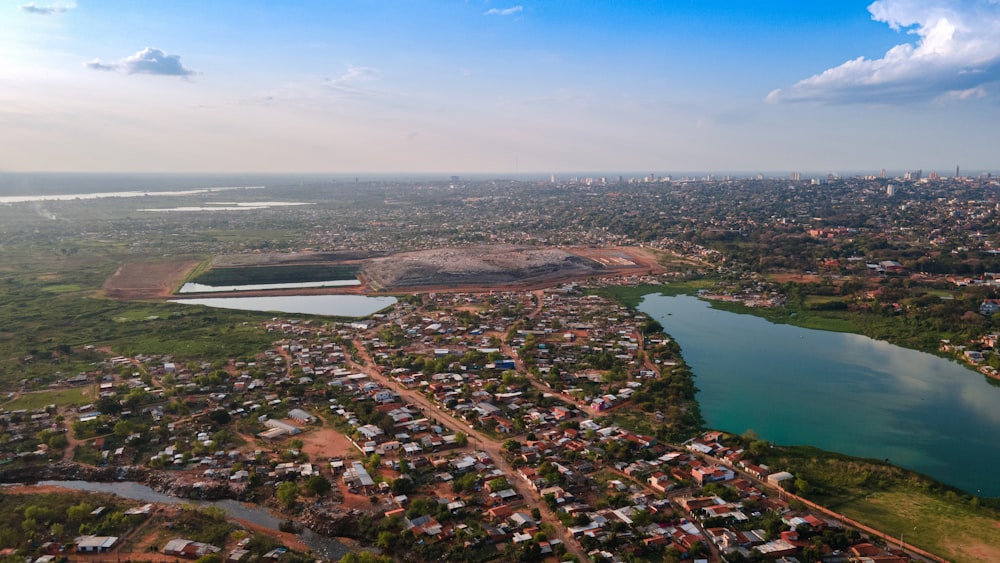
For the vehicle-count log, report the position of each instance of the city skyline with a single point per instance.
(487, 87)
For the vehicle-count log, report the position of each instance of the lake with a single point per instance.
(327, 305)
(839, 392)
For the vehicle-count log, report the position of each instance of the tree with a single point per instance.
(461, 439)
(287, 493)
(317, 485)
(220, 417)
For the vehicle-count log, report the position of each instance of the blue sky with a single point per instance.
(498, 87)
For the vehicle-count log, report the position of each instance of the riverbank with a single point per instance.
(180, 484)
(318, 529)
(955, 524)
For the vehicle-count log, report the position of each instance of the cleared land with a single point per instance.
(148, 280)
(482, 268)
(502, 266)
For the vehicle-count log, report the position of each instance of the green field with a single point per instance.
(929, 515)
(953, 529)
(631, 295)
(41, 399)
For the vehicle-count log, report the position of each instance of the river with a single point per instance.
(327, 548)
(839, 392)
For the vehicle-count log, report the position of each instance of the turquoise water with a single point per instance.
(840, 392)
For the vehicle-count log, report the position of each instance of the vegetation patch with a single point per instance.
(930, 515)
(632, 295)
(63, 288)
(42, 399)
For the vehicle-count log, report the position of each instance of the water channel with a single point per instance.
(327, 548)
(839, 392)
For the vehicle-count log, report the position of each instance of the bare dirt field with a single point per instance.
(148, 280)
(323, 443)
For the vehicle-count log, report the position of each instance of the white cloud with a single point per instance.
(503, 11)
(956, 56)
(49, 10)
(347, 83)
(146, 61)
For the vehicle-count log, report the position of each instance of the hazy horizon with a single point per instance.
(501, 88)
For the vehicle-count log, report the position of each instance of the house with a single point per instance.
(704, 475)
(775, 479)
(302, 416)
(190, 549)
(95, 544)
(423, 525)
(660, 481)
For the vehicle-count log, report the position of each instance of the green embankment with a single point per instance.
(928, 514)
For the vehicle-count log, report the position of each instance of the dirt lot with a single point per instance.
(323, 443)
(148, 280)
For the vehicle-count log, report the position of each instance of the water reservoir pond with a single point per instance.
(840, 392)
(327, 305)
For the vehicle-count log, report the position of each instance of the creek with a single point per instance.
(327, 548)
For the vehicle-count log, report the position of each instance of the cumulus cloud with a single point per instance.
(956, 56)
(146, 61)
(49, 10)
(503, 11)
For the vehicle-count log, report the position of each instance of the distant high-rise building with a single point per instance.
(957, 172)
(795, 176)
(881, 173)
(890, 190)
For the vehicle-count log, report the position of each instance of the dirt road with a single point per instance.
(480, 440)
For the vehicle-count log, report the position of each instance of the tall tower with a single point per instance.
(957, 175)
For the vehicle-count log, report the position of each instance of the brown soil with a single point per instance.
(970, 549)
(158, 280)
(323, 443)
(148, 280)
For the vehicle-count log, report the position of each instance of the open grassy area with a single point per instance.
(42, 399)
(953, 529)
(935, 517)
(63, 288)
(631, 295)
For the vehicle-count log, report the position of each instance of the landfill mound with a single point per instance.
(482, 265)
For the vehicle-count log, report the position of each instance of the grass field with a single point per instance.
(42, 399)
(631, 295)
(955, 530)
